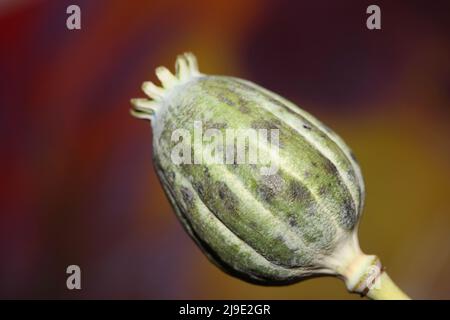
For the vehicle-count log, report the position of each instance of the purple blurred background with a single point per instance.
(78, 186)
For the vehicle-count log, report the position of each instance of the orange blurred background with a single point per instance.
(78, 186)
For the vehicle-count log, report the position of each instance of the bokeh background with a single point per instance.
(77, 182)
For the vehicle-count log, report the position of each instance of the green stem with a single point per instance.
(364, 274)
(386, 289)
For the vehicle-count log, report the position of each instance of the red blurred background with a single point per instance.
(78, 186)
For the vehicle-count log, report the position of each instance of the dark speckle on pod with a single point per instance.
(266, 193)
(244, 109)
(298, 192)
(352, 155)
(293, 222)
(188, 197)
(270, 186)
(322, 190)
(330, 168)
(265, 124)
(218, 125)
(227, 196)
(171, 176)
(349, 216)
(224, 99)
(243, 106)
(200, 189)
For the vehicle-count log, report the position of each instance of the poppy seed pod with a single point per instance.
(268, 192)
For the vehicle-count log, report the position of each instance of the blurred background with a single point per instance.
(77, 182)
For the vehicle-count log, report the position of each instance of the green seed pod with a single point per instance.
(269, 193)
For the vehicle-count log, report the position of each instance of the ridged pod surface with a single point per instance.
(298, 221)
